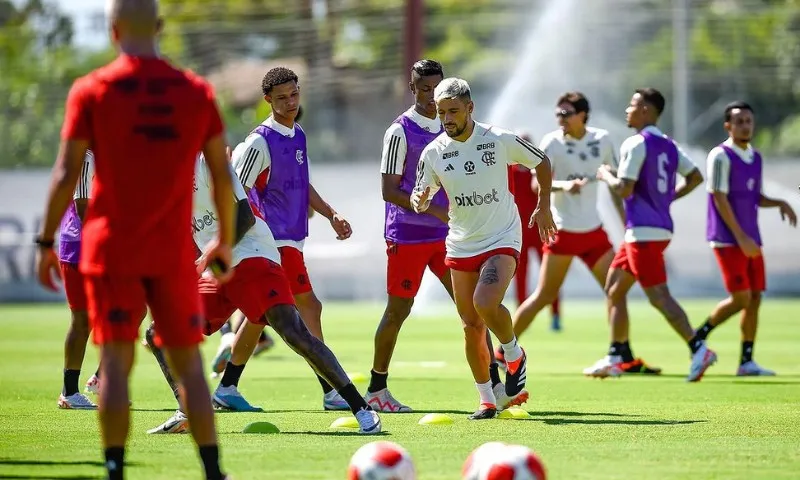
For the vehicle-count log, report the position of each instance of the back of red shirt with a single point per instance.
(524, 196)
(146, 122)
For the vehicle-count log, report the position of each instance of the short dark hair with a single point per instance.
(733, 106)
(653, 97)
(426, 68)
(578, 101)
(277, 76)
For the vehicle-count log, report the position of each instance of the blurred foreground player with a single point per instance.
(260, 289)
(526, 196)
(273, 165)
(69, 249)
(735, 193)
(647, 180)
(470, 162)
(145, 121)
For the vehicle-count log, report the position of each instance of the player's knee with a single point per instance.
(312, 305)
(398, 309)
(742, 299)
(485, 305)
(659, 297)
(80, 324)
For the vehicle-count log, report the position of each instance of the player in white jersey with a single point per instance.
(576, 152)
(260, 289)
(470, 162)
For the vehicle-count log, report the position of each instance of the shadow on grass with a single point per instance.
(580, 414)
(34, 463)
(49, 477)
(153, 410)
(585, 421)
(353, 433)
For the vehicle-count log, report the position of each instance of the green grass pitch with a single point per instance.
(630, 428)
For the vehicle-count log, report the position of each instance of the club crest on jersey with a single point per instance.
(488, 158)
(299, 157)
(595, 151)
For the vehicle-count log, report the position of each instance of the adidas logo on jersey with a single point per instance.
(449, 167)
(477, 199)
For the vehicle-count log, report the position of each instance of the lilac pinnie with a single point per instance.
(744, 195)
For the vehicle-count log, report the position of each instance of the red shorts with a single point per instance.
(588, 246)
(407, 263)
(474, 264)
(294, 267)
(740, 272)
(257, 285)
(117, 306)
(643, 260)
(73, 287)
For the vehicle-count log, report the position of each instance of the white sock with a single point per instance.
(511, 350)
(486, 393)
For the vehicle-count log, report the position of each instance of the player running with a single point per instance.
(260, 289)
(470, 162)
(735, 193)
(526, 196)
(647, 180)
(145, 121)
(272, 164)
(414, 241)
(69, 249)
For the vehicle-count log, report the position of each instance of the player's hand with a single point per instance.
(788, 213)
(419, 200)
(543, 218)
(604, 172)
(576, 185)
(341, 227)
(218, 258)
(48, 268)
(749, 247)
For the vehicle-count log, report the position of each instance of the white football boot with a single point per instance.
(76, 401)
(178, 423)
(607, 366)
(504, 401)
(369, 423)
(703, 358)
(333, 401)
(383, 401)
(752, 369)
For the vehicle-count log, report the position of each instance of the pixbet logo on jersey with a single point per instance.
(477, 199)
(200, 223)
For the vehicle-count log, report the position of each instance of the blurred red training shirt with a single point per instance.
(146, 122)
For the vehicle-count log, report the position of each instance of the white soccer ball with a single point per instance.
(500, 461)
(381, 461)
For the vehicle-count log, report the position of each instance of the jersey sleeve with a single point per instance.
(631, 154)
(609, 152)
(520, 151)
(238, 189)
(393, 155)
(250, 158)
(718, 170)
(685, 164)
(84, 188)
(77, 112)
(426, 174)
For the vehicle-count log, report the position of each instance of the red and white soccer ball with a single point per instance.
(500, 461)
(381, 461)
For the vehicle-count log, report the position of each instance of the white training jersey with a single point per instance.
(474, 174)
(257, 242)
(251, 159)
(574, 159)
(83, 190)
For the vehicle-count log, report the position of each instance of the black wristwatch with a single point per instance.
(44, 243)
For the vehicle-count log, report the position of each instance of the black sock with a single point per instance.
(695, 343)
(704, 330)
(262, 337)
(377, 381)
(747, 352)
(209, 454)
(97, 372)
(627, 354)
(494, 374)
(115, 460)
(71, 378)
(226, 328)
(615, 350)
(353, 398)
(232, 374)
(326, 387)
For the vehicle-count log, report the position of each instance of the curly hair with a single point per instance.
(277, 76)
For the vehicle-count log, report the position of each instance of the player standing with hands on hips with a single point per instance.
(470, 162)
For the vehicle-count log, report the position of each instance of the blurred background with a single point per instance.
(353, 59)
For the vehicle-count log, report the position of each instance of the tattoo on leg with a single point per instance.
(489, 275)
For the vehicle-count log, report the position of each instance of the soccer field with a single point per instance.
(628, 428)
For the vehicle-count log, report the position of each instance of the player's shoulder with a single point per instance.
(597, 133)
(492, 131)
(437, 145)
(395, 129)
(551, 138)
(632, 142)
(717, 152)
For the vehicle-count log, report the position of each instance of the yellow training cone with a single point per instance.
(518, 413)
(260, 427)
(435, 419)
(345, 422)
(505, 414)
(357, 377)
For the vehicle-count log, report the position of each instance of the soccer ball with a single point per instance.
(499, 461)
(381, 461)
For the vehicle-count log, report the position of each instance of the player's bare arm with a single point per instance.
(692, 180)
(622, 187)
(747, 244)
(338, 222)
(216, 158)
(65, 176)
(542, 216)
(390, 190)
(787, 213)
